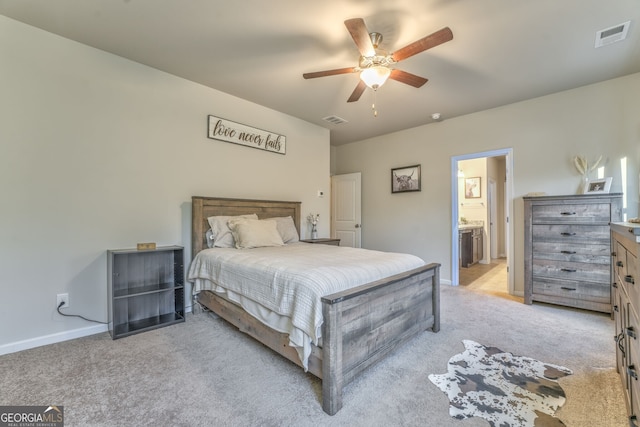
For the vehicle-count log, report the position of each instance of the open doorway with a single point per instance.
(481, 230)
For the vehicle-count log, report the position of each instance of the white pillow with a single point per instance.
(255, 233)
(287, 229)
(222, 237)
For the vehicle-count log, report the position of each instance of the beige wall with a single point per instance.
(545, 134)
(98, 152)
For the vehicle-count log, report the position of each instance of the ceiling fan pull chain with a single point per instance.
(373, 106)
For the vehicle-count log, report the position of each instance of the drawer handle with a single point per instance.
(631, 370)
(567, 213)
(568, 234)
(567, 289)
(568, 252)
(631, 332)
(619, 264)
(629, 279)
(620, 341)
(568, 270)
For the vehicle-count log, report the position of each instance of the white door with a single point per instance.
(345, 209)
(493, 220)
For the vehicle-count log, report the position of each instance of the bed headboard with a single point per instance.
(204, 207)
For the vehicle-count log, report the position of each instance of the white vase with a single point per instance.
(584, 181)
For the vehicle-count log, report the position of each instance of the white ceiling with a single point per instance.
(503, 51)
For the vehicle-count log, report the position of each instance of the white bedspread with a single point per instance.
(282, 286)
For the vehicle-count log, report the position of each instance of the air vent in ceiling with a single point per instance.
(612, 35)
(334, 120)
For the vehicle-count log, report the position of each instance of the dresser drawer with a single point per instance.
(598, 253)
(632, 368)
(619, 310)
(625, 268)
(631, 282)
(568, 233)
(632, 377)
(572, 289)
(564, 270)
(588, 213)
(620, 259)
(632, 332)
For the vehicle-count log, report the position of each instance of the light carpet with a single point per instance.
(204, 372)
(504, 389)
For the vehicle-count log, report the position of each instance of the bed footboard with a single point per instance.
(362, 325)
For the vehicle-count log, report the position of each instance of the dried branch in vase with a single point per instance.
(582, 164)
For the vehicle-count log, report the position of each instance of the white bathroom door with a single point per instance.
(493, 220)
(346, 212)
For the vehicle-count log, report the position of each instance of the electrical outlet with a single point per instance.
(320, 193)
(62, 298)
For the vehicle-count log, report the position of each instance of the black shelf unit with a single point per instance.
(146, 289)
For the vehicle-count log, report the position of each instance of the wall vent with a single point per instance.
(612, 34)
(334, 120)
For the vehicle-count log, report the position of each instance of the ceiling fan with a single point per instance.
(375, 65)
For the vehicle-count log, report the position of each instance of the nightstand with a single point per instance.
(145, 289)
(325, 241)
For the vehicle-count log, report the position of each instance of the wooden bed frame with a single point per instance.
(361, 325)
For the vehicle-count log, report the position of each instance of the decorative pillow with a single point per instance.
(287, 229)
(222, 237)
(255, 233)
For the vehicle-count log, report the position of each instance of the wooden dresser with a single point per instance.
(567, 251)
(625, 280)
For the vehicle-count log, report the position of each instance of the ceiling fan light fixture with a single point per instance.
(374, 77)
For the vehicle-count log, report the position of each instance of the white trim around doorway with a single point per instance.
(455, 250)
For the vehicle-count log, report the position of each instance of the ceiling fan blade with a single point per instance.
(432, 40)
(357, 92)
(360, 35)
(329, 72)
(407, 78)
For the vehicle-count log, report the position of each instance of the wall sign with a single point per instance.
(237, 133)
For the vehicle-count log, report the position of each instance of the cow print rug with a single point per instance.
(504, 389)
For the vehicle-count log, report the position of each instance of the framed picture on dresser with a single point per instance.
(598, 186)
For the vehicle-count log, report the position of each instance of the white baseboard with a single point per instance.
(55, 338)
(51, 339)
